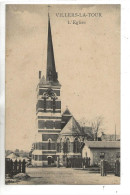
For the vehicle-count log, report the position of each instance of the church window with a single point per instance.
(68, 145)
(76, 145)
(61, 145)
(44, 104)
(36, 157)
(58, 147)
(49, 144)
(64, 147)
(53, 105)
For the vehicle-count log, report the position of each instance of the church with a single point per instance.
(58, 134)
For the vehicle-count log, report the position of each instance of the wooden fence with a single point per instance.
(78, 162)
(14, 167)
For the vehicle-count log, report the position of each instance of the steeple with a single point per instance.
(51, 74)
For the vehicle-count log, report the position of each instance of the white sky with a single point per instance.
(87, 58)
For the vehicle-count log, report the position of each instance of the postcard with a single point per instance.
(62, 94)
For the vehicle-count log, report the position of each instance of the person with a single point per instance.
(89, 162)
(105, 167)
(58, 162)
(86, 162)
(83, 163)
(67, 162)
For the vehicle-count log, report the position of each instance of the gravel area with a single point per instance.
(67, 176)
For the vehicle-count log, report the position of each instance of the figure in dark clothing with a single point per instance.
(89, 162)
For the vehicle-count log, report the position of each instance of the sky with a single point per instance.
(87, 58)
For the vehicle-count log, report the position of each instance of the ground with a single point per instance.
(54, 175)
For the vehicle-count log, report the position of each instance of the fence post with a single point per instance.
(15, 167)
(23, 166)
(117, 168)
(6, 166)
(11, 167)
(19, 166)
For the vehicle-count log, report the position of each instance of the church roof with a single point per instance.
(42, 80)
(71, 128)
(67, 112)
(48, 83)
(51, 74)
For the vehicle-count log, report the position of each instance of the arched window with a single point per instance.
(44, 104)
(61, 145)
(67, 145)
(49, 144)
(58, 147)
(53, 104)
(76, 145)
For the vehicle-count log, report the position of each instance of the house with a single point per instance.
(110, 137)
(96, 150)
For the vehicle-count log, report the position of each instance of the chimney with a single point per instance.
(40, 72)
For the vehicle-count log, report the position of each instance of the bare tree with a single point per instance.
(97, 126)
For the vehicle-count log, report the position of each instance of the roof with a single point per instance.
(109, 137)
(102, 144)
(12, 156)
(50, 83)
(67, 112)
(42, 80)
(71, 128)
(51, 74)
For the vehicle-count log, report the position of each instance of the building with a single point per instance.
(70, 138)
(110, 137)
(48, 111)
(95, 150)
(58, 134)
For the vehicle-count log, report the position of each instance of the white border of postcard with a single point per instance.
(124, 187)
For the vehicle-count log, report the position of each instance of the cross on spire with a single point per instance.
(48, 11)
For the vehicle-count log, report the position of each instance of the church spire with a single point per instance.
(51, 74)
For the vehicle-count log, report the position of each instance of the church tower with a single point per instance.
(48, 111)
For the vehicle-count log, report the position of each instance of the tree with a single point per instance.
(16, 152)
(97, 126)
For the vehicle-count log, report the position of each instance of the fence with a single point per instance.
(12, 168)
(78, 162)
